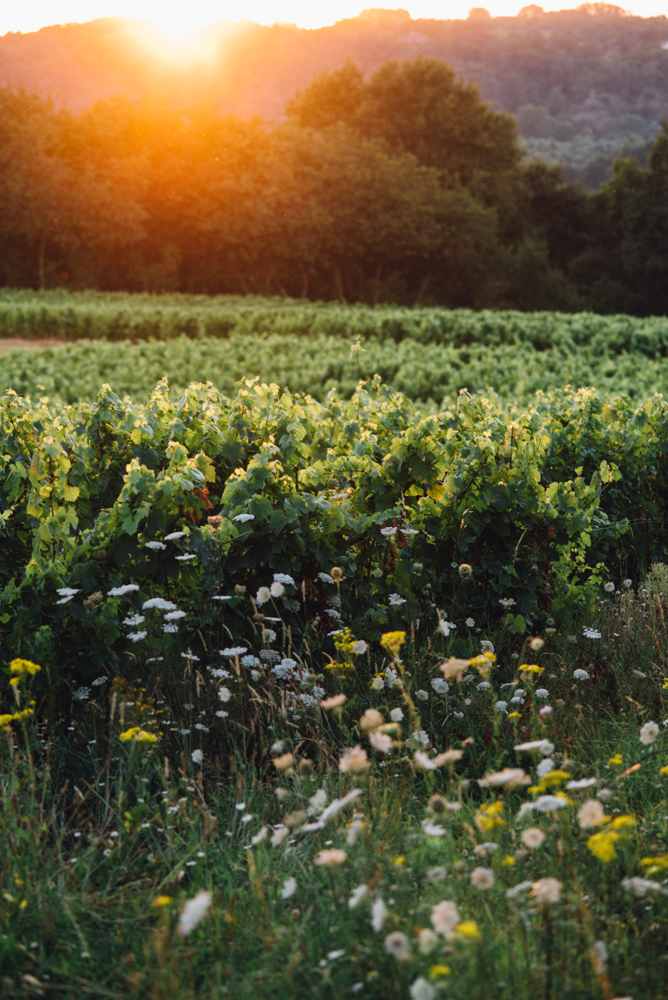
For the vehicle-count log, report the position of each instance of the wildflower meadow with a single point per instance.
(326, 698)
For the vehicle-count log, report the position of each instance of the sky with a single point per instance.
(183, 18)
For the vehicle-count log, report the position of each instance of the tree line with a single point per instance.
(404, 186)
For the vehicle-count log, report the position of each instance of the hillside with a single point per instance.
(586, 85)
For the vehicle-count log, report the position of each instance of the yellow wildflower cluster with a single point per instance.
(344, 642)
(550, 780)
(616, 760)
(138, 735)
(436, 971)
(489, 816)
(530, 668)
(340, 666)
(468, 929)
(19, 666)
(392, 642)
(655, 865)
(6, 720)
(602, 844)
(483, 663)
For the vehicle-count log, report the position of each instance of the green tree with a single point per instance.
(416, 107)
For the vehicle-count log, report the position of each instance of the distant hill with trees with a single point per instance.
(586, 85)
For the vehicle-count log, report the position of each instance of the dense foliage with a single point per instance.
(535, 500)
(586, 85)
(356, 197)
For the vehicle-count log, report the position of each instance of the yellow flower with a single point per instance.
(344, 641)
(5, 720)
(490, 656)
(400, 860)
(19, 666)
(655, 865)
(489, 816)
(138, 735)
(616, 760)
(514, 715)
(530, 668)
(144, 737)
(602, 845)
(14, 681)
(338, 667)
(161, 901)
(623, 822)
(439, 970)
(550, 780)
(392, 642)
(468, 929)
(663, 770)
(509, 860)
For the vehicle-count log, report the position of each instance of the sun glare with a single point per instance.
(175, 38)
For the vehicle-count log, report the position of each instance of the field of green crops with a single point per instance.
(311, 694)
(427, 354)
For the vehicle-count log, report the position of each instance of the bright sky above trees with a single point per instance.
(180, 20)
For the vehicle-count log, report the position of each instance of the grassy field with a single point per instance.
(384, 871)
(357, 693)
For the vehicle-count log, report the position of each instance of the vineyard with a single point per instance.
(429, 355)
(330, 672)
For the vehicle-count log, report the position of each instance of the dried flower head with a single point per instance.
(649, 733)
(354, 760)
(396, 944)
(533, 837)
(482, 878)
(454, 668)
(546, 891)
(283, 762)
(330, 858)
(444, 918)
(591, 814)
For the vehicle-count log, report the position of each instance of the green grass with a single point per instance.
(95, 830)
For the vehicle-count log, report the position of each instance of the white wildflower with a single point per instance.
(649, 733)
(155, 546)
(242, 518)
(127, 588)
(422, 989)
(378, 914)
(482, 878)
(444, 918)
(548, 803)
(395, 600)
(357, 895)
(289, 888)
(158, 602)
(193, 912)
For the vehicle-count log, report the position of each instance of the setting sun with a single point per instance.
(177, 40)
